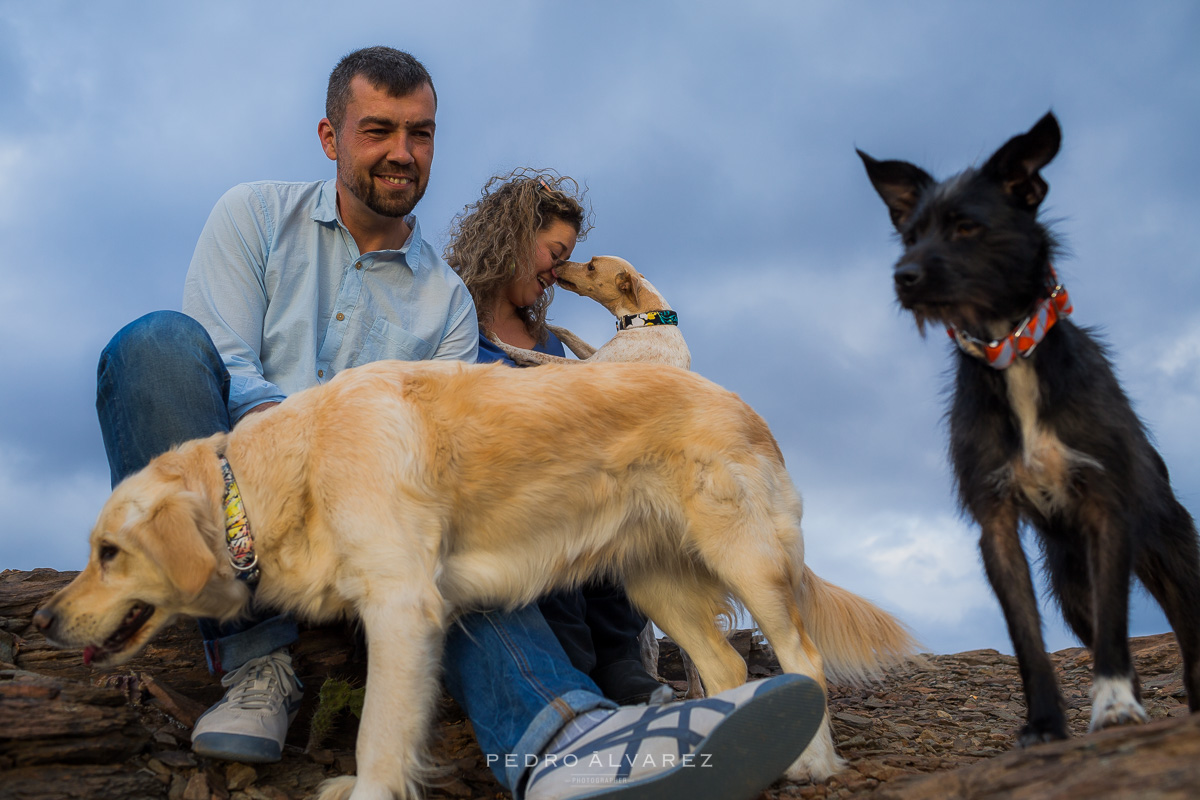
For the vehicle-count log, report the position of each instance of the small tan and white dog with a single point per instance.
(679, 484)
(647, 329)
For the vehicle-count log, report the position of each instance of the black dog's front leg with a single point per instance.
(1116, 696)
(1008, 571)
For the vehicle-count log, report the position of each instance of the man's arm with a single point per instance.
(225, 291)
(461, 338)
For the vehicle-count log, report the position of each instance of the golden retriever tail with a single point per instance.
(858, 640)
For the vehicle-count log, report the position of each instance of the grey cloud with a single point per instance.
(719, 148)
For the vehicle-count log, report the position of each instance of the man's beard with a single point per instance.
(363, 187)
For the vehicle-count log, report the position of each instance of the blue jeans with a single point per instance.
(162, 382)
(514, 681)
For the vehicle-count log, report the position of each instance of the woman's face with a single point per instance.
(553, 245)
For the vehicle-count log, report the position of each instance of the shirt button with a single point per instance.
(320, 373)
(358, 265)
(340, 316)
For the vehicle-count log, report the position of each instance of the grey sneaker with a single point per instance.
(728, 747)
(251, 721)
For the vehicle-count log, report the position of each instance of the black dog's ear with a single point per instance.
(1015, 165)
(899, 183)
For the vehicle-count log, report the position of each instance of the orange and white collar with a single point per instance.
(1001, 353)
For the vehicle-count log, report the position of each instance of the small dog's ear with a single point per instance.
(1015, 165)
(628, 283)
(899, 183)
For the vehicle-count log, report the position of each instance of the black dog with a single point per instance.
(1040, 431)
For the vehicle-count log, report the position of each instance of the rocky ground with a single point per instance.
(942, 730)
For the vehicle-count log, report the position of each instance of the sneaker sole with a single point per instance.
(753, 747)
(237, 747)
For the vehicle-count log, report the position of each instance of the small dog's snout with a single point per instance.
(43, 618)
(908, 275)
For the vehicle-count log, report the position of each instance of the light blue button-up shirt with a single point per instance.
(278, 282)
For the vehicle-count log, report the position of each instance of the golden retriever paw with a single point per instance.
(350, 787)
(819, 762)
(337, 788)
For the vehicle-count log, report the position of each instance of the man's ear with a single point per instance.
(177, 537)
(899, 183)
(328, 138)
(629, 283)
(1015, 166)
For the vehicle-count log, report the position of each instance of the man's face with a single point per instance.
(384, 148)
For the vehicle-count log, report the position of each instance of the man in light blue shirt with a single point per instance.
(292, 283)
(253, 285)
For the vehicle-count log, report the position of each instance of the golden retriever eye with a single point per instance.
(107, 553)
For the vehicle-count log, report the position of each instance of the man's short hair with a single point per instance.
(387, 68)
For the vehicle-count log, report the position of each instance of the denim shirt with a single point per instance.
(278, 282)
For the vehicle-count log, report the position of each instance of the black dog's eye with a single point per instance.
(966, 228)
(107, 553)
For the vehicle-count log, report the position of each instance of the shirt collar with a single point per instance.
(326, 212)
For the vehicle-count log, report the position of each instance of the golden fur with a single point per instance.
(403, 493)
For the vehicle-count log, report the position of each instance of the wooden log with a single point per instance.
(47, 721)
(1150, 762)
(91, 782)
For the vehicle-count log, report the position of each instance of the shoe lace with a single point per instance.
(653, 723)
(260, 683)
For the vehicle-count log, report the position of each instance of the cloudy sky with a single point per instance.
(717, 140)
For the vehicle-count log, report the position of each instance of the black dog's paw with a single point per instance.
(1032, 733)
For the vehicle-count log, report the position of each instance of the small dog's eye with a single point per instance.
(591, 267)
(966, 228)
(107, 553)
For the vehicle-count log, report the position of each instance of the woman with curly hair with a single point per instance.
(505, 247)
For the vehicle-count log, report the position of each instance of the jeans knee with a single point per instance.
(161, 341)
(151, 332)
(160, 347)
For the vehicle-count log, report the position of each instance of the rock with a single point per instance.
(239, 776)
(266, 793)
(86, 782)
(49, 721)
(1160, 760)
(942, 729)
(197, 787)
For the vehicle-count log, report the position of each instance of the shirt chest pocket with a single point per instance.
(386, 340)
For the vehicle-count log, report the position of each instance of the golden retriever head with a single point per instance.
(154, 552)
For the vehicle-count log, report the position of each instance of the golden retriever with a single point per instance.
(403, 493)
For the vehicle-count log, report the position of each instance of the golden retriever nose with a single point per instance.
(43, 619)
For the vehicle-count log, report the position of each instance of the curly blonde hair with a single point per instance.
(492, 240)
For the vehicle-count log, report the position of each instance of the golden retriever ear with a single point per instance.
(628, 284)
(178, 538)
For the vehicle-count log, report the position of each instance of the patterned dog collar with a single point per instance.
(648, 318)
(1001, 353)
(237, 529)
